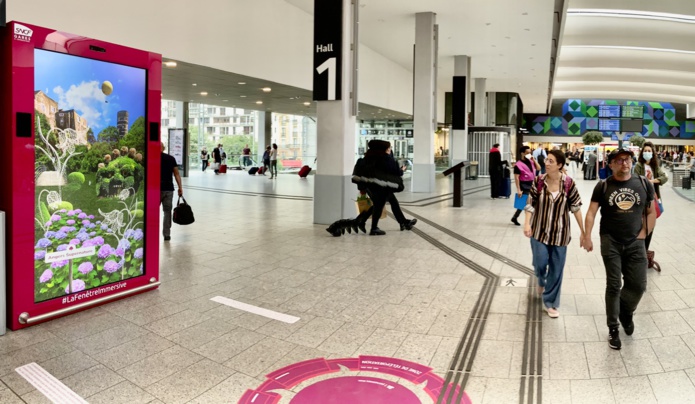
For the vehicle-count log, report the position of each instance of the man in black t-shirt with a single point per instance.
(166, 190)
(627, 216)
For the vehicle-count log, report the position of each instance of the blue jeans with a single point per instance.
(549, 264)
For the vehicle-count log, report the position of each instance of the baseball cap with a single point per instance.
(618, 152)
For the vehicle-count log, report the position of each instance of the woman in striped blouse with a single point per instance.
(547, 222)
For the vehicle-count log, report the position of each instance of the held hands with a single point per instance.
(586, 243)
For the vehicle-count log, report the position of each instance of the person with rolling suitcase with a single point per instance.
(495, 168)
(525, 171)
(266, 159)
(274, 161)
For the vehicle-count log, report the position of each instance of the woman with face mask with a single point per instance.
(648, 166)
(525, 171)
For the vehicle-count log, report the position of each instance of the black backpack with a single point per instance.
(183, 214)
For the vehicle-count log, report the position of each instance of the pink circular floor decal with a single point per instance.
(339, 383)
(355, 390)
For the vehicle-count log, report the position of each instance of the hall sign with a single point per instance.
(328, 40)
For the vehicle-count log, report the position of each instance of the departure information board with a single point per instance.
(609, 125)
(632, 111)
(609, 111)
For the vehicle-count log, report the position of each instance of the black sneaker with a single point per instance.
(408, 224)
(377, 232)
(627, 323)
(167, 238)
(362, 227)
(614, 338)
(516, 222)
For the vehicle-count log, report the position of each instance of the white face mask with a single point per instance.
(647, 156)
(528, 156)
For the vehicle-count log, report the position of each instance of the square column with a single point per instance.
(424, 102)
(461, 107)
(334, 192)
(480, 117)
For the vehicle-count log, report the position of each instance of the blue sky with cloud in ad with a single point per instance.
(75, 83)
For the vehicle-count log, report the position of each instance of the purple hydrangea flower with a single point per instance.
(78, 210)
(104, 251)
(62, 211)
(82, 237)
(71, 213)
(39, 255)
(124, 244)
(59, 264)
(138, 234)
(46, 276)
(49, 234)
(90, 217)
(140, 269)
(85, 222)
(99, 240)
(48, 223)
(82, 216)
(98, 221)
(60, 235)
(55, 218)
(70, 222)
(62, 247)
(128, 233)
(92, 234)
(104, 227)
(90, 226)
(111, 266)
(121, 263)
(88, 243)
(138, 253)
(75, 241)
(118, 251)
(68, 229)
(85, 268)
(77, 286)
(43, 243)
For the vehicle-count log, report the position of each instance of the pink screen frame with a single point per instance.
(19, 201)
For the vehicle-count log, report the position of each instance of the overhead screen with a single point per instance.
(609, 111)
(632, 111)
(609, 125)
(632, 125)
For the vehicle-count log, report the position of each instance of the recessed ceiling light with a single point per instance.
(242, 96)
(204, 93)
(170, 64)
(307, 103)
(195, 84)
(225, 100)
(241, 83)
(259, 102)
(267, 89)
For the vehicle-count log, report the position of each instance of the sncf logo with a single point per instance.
(22, 33)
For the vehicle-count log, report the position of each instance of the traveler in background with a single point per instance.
(552, 197)
(692, 167)
(247, 155)
(627, 217)
(648, 166)
(495, 168)
(524, 172)
(539, 155)
(274, 162)
(590, 170)
(204, 156)
(266, 159)
(166, 190)
(217, 158)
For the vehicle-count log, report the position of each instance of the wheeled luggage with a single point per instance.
(506, 187)
(223, 169)
(686, 182)
(253, 170)
(603, 173)
(304, 171)
(261, 170)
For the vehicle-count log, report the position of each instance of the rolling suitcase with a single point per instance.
(223, 169)
(253, 170)
(686, 182)
(260, 171)
(506, 187)
(304, 171)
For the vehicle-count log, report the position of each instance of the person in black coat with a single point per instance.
(495, 169)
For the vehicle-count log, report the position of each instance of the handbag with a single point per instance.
(183, 214)
(520, 201)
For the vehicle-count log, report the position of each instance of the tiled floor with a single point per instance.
(406, 295)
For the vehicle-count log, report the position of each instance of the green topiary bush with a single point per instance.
(76, 178)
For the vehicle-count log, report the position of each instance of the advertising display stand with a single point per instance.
(3, 284)
(79, 120)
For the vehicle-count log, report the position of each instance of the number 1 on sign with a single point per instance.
(329, 65)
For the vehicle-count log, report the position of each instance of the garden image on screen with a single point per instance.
(90, 173)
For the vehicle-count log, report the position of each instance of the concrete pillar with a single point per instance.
(491, 109)
(459, 135)
(480, 118)
(424, 96)
(182, 122)
(264, 130)
(334, 192)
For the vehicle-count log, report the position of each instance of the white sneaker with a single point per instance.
(552, 313)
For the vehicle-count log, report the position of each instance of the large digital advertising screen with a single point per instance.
(90, 152)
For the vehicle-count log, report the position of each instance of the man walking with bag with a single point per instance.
(627, 217)
(166, 190)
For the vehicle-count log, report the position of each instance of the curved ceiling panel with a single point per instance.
(628, 49)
